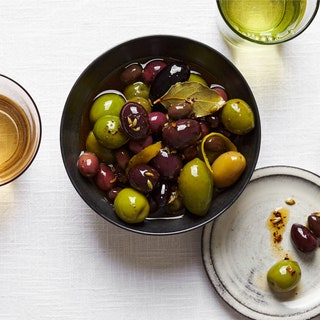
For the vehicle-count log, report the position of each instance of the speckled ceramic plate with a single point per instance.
(238, 248)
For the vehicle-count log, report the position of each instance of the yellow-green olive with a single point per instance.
(131, 206)
(284, 275)
(195, 77)
(108, 103)
(137, 89)
(107, 130)
(143, 102)
(196, 187)
(227, 168)
(92, 145)
(237, 116)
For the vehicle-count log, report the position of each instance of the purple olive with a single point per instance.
(213, 120)
(122, 157)
(314, 223)
(182, 133)
(167, 164)
(134, 120)
(303, 238)
(112, 193)
(143, 177)
(157, 120)
(220, 90)
(151, 69)
(179, 110)
(88, 164)
(189, 153)
(162, 193)
(137, 145)
(105, 178)
(131, 73)
(205, 129)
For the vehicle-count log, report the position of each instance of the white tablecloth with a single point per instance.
(58, 259)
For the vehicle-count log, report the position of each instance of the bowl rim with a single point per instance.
(200, 222)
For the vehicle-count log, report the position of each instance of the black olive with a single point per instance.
(171, 74)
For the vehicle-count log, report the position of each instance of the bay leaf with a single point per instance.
(204, 100)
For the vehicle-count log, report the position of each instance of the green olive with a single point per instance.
(237, 116)
(92, 145)
(227, 168)
(143, 102)
(107, 131)
(108, 103)
(131, 206)
(137, 89)
(196, 187)
(284, 275)
(194, 77)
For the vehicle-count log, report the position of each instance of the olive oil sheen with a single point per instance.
(263, 20)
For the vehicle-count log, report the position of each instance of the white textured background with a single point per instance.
(58, 259)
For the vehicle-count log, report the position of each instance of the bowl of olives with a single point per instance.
(160, 135)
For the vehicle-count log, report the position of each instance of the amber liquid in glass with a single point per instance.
(14, 136)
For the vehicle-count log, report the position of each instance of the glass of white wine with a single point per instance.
(20, 130)
(265, 21)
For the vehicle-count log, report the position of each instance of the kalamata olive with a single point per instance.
(214, 146)
(154, 207)
(135, 121)
(131, 205)
(179, 110)
(131, 73)
(237, 116)
(137, 145)
(167, 164)
(204, 128)
(157, 120)
(88, 164)
(196, 187)
(120, 174)
(303, 238)
(122, 157)
(151, 69)
(314, 223)
(171, 74)
(107, 131)
(112, 193)
(215, 143)
(105, 178)
(181, 133)
(136, 89)
(108, 103)
(161, 193)
(220, 90)
(227, 168)
(284, 275)
(213, 120)
(189, 153)
(143, 177)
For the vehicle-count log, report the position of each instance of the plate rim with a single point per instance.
(206, 236)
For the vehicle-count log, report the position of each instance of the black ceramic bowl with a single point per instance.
(92, 81)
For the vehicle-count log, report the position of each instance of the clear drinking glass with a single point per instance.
(20, 130)
(265, 21)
